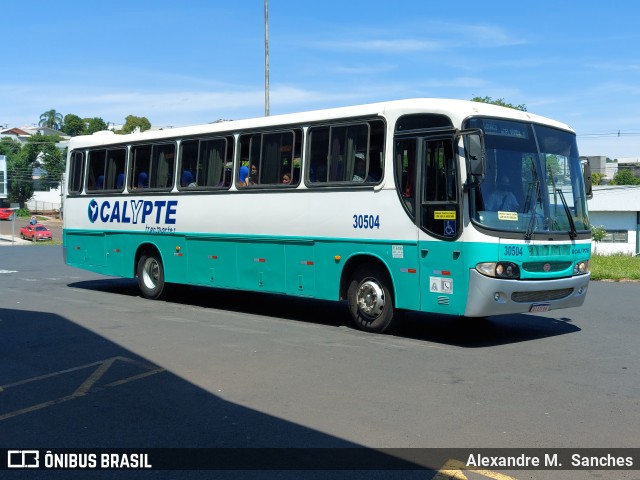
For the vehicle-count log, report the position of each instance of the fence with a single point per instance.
(38, 207)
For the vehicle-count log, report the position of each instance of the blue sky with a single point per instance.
(190, 62)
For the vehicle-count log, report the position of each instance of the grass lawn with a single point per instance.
(615, 267)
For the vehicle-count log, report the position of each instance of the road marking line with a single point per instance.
(86, 386)
(452, 470)
(94, 377)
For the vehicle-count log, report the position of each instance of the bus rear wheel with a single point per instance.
(370, 299)
(150, 273)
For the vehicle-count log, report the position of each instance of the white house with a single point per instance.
(617, 209)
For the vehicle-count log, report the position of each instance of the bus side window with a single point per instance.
(318, 154)
(376, 152)
(346, 153)
(116, 159)
(269, 157)
(76, 172)
(212, 161)
(96, 170)
(140, 164)
(162, 166)
(406, 172)
(188, 162)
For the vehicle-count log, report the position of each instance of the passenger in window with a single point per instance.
(359, 169)
(186, 180)
(286, 179)
(502, 199)
(253, 176)
(243, 177)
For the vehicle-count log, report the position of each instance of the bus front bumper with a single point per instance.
(494, 296)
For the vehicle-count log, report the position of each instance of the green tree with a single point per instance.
(598, 234)
(596, 178)
(499, 101)
(553, 165)
(95, 124)
(51, 119)
(73, 125)
(19, 179)
(42, 151)
(9, 147)
(624, 176)
(132, 122)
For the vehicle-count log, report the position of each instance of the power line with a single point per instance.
(612, 134)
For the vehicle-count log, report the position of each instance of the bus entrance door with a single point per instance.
(442, 281)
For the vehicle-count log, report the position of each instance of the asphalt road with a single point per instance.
(86, 362)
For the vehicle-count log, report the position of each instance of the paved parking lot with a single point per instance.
(92, 364)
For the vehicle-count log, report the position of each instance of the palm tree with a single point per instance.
(51, 119)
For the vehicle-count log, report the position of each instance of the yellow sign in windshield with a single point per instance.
(444, 215)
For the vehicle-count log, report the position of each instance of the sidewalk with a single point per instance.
(5, 240)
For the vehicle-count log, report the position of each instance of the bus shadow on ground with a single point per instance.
(65, 387)
(484, 332)
(444, 329)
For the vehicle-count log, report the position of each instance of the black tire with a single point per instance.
(370, 299)
(150, 273)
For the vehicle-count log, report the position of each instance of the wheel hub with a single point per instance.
(151, 273)
(370, 298)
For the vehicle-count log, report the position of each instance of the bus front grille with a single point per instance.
(541, 296)
(546, 267)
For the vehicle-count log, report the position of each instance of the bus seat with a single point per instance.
(143, 180)
(187, 179)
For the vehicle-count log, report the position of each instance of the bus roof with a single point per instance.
(457, 110)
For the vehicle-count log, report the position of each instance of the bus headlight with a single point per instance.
(507, 270)
(581, 268)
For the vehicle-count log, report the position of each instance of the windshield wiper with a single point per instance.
(573, 233)
(532, 205)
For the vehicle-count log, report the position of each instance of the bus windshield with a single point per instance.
(533, 180)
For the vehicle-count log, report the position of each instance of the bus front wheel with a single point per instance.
(370, 299)
(150, 274)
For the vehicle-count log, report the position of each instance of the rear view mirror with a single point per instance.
(474, 152)
(586, 172)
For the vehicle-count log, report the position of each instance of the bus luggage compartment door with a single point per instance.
(86, 248)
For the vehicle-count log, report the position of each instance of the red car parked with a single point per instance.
(35, 232)
(5, 213)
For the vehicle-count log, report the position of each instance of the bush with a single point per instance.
(598, 233)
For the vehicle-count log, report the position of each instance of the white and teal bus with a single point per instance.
(431, 205)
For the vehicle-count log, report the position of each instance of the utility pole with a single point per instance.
(266, 58)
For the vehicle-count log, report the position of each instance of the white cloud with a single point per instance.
(382, 45)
